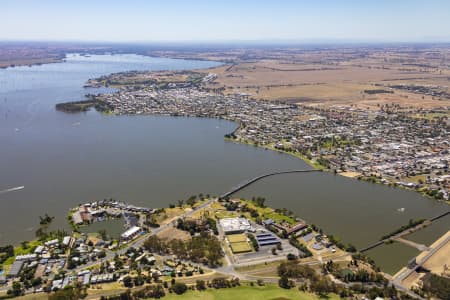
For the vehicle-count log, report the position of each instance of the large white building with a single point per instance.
(131, 233)
(235, 225)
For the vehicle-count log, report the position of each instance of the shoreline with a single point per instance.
(61, 59)
(353, 174)
(316, 165)
(31, 64)
(312, 163)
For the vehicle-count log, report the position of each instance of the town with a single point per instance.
(393, 145)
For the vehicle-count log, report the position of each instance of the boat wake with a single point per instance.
(12, 189)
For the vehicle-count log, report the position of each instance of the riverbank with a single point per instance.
(312, 163)
(82, 106)
(30, 62)
(316, 165)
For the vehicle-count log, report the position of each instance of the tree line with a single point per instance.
(204, 248)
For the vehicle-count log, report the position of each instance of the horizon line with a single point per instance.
(235, 41)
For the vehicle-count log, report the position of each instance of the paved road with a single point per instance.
(397, 281)
(430, 253)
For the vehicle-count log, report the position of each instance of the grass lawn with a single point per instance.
(221, 214)
(169, 214)
(19, 250)
(270, 213)
(252, 268)
(38, 296)
(415, 178)
(240, 247)
(268, 292)
(235, 238)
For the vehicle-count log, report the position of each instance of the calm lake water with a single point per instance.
(66, 159)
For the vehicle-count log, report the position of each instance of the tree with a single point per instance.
(127, 281)
(200, 285)
(40, 233)
(291, 256)
(45, 220)
(179, 288)
(103, 234)
(24, 244)
(284, 282)
(155, 277)
(158, 291)
(69, 293)
(154, 244)
(16, 289)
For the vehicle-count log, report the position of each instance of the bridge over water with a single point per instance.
(398, 236)
(405, 232)
(253, 180)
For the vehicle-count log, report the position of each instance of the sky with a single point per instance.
(226, 20)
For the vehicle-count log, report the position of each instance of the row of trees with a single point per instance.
(159, 290)
(294, 242)
(291, 272)
(412, 223)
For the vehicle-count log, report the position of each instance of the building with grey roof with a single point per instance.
(15, 268)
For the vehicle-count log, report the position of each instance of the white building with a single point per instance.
(235, 225)
(76, 218)
(39, 250)
(131, 233)
(66, 241)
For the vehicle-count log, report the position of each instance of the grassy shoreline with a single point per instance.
(316, 165)
(311, 163)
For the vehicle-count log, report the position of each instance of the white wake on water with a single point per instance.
(17, 188)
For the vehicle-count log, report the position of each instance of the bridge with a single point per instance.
(398, 236)
(253, 180)
(416, 264)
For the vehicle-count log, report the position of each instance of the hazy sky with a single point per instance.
(191, 20)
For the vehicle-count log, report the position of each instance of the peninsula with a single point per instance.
(199, 245)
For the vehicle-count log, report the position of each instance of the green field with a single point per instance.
(240, 247)
(236, 238)
(268, 292)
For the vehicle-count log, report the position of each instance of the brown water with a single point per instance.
(66, 159)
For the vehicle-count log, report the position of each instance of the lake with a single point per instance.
(66, 159)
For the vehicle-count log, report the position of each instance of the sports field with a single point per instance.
(240, 247)
(238, 243)
(236, 238)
